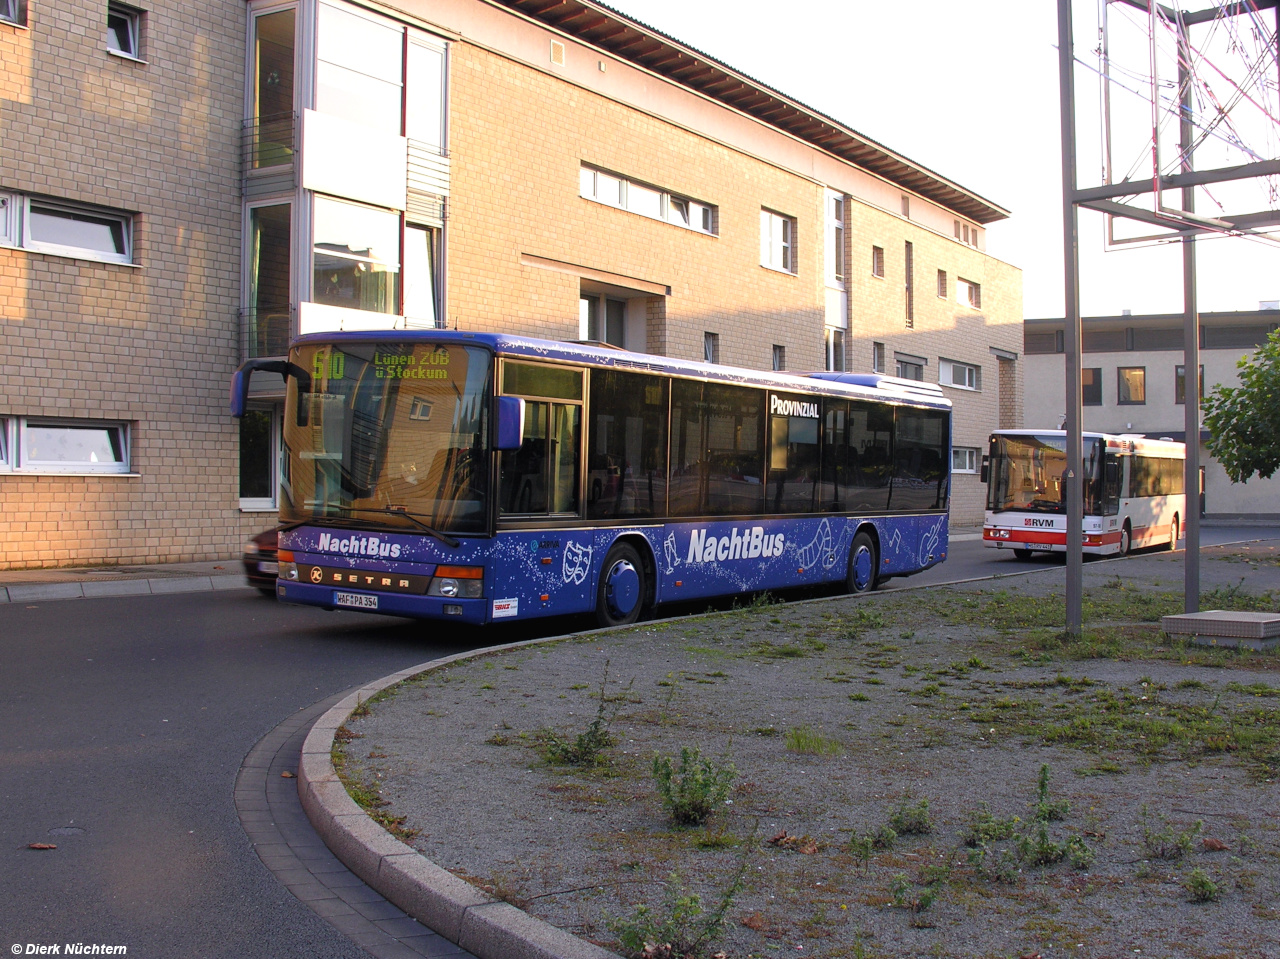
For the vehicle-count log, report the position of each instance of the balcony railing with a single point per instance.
(265, 332)
(269, 141)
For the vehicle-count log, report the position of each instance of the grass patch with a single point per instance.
(808, 741)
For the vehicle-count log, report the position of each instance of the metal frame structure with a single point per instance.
(1183, 225)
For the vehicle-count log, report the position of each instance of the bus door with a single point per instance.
(540, 492)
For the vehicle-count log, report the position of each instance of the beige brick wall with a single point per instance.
(516, 190)
(153, 344)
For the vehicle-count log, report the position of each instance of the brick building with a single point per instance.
(1133, 382)
(187, 185)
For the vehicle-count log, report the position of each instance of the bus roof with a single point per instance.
(1133, 442)
(877, 386)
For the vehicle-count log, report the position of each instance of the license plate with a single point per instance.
(1044, 546)
(265, 567)
(358, 600)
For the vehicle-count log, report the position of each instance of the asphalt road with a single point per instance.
(126, 720)
(124, 724)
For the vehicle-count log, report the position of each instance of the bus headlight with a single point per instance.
(288, 571)
(457, 582)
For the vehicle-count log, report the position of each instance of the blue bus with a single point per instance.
(480, 477)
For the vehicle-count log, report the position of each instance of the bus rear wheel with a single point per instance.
(624, 586)
(1173, 534)
(864, 563)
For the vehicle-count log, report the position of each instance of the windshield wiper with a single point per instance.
(411, 517)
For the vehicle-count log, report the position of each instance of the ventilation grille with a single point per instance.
(557, 53)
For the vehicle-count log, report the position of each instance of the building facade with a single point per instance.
(1133, 377)
(247, 172)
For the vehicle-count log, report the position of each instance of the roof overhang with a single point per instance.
(600, 26)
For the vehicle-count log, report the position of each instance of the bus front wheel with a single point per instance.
(863, 564)
(1126, 539)
(1022, 553)
(620, 597)
(1173, 534)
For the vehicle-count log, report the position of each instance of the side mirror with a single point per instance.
(240, 380)
(986, 466)
(510, 433)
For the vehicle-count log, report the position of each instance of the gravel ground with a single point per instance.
(843, 716)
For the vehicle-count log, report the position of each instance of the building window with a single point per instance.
(906, 206)
(13, 11)
(835, 240)
(65, 229)
(268, 310)
(272, 94)
(648, 201)
(968, 293)
(259, 456)
(359, 68)
(833, 346)
(1180, 384)
(711, 347)
(779, 358)
(424, 109)
(124, 30)
(910, 367)
(877, 358)
(777, 241)
(356, 256)
(909, 255)
(1133, 385)
(1091, 386)
(37, 445)
(964, 459)
(421, 279)
(602, 319)
(942, 284)
(877, 261)
(962, 375)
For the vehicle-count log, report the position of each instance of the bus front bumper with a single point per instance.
(473, 611)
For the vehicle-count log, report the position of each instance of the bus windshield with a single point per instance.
(1028, 473)
(387, 434)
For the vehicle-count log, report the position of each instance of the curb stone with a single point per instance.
(457, 910)
(42, 592)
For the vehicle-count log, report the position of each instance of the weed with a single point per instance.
(908, 820)
(808, 741)
(859, 697)
(986, 828)
(864, 845)
(588, 748)
(681, 927)
(691, 793)
(1079, 853)
(716, 839)
(907, 895)
(1201, 887)
(1166, 842)
(1045, 809)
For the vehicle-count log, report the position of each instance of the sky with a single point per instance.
(970, 90)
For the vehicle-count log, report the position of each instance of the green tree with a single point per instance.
(1244, 421)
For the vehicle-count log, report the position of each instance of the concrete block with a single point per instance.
(1217, 627)
(501, 931)
(434, 896)
(119, 587)
(183, 584)
(39, 591)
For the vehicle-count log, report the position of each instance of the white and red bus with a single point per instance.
(1133, 492)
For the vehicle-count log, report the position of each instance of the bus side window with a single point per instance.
(627, 445)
